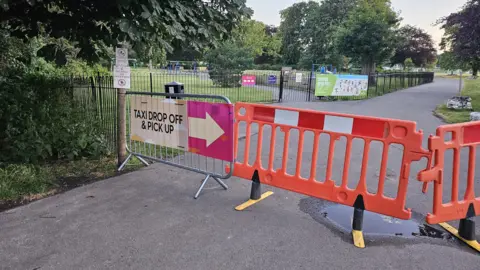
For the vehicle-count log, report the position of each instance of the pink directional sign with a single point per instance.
(249, 80)
(210, 129)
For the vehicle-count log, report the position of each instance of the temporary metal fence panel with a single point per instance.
(188, 131)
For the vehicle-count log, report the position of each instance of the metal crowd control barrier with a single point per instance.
(465, 135)
(188, 131)
(370, 129)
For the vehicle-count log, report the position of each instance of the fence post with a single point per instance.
(310, 86)
(151, 82)
(384, 82)
(390, 81)
(280, 94)
(122, 127)
(99, 82)
(94, 94)
(376, 83)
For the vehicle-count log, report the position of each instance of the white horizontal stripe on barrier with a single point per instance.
(338, 124)
(284, 117)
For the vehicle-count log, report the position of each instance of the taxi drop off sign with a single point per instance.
(199, 127)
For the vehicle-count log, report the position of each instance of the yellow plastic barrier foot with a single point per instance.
(358, 240)
(472, 243)
(251, 202)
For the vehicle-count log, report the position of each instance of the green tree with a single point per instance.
(416, 44)
(163, 22)
(448, 61)
(227, 63)
(251, 34)
(271, 52)
(462, 34)
(408, 64)
(318, 35)
(291, 27)
(368, 35)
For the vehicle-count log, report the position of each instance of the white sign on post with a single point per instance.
(298, 77)
(121, 77)
(121, 57)
(121, 71)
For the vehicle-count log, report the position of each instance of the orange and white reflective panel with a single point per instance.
(374, 128)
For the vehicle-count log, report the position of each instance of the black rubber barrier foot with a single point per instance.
(466, 228)
(256, 191)
(357, 223)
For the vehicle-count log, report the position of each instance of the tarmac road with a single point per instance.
(148, 219)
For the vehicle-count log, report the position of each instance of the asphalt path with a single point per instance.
(148, 219)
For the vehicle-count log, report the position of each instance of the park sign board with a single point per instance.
(199, 127)
(121, 71)
(121, 77)
(121, 57)
(340, 85)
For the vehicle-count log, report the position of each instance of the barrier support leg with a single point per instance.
(255, 193)
(122, 166)
(204, 182)
(357, 223)
(466, 230)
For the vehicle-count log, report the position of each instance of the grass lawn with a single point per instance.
(471, 89)
(20, 183)
(198, 84)
(450, 76)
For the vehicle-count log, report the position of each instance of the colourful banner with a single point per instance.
(341, 85)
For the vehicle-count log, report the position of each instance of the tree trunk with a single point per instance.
(150, 53)
(368, 68)
(475, 67)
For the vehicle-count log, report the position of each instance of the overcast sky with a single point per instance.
(421, 13)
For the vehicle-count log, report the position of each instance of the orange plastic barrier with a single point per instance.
(462, 135)
(387, 131)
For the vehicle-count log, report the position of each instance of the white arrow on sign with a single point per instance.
(206, 129)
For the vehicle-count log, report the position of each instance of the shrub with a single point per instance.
(268, 67)
(227, 63)
(40, 121)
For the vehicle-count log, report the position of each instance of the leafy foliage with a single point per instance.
(448, 61)
(89, 23)
(416, 44)
(462, 34)
(321, 24)
(408, 64)
(368, 36)
(291, 27)
(39, 119)
(227, 63)
(271, 53)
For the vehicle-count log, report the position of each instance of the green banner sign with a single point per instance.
(340, 85)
